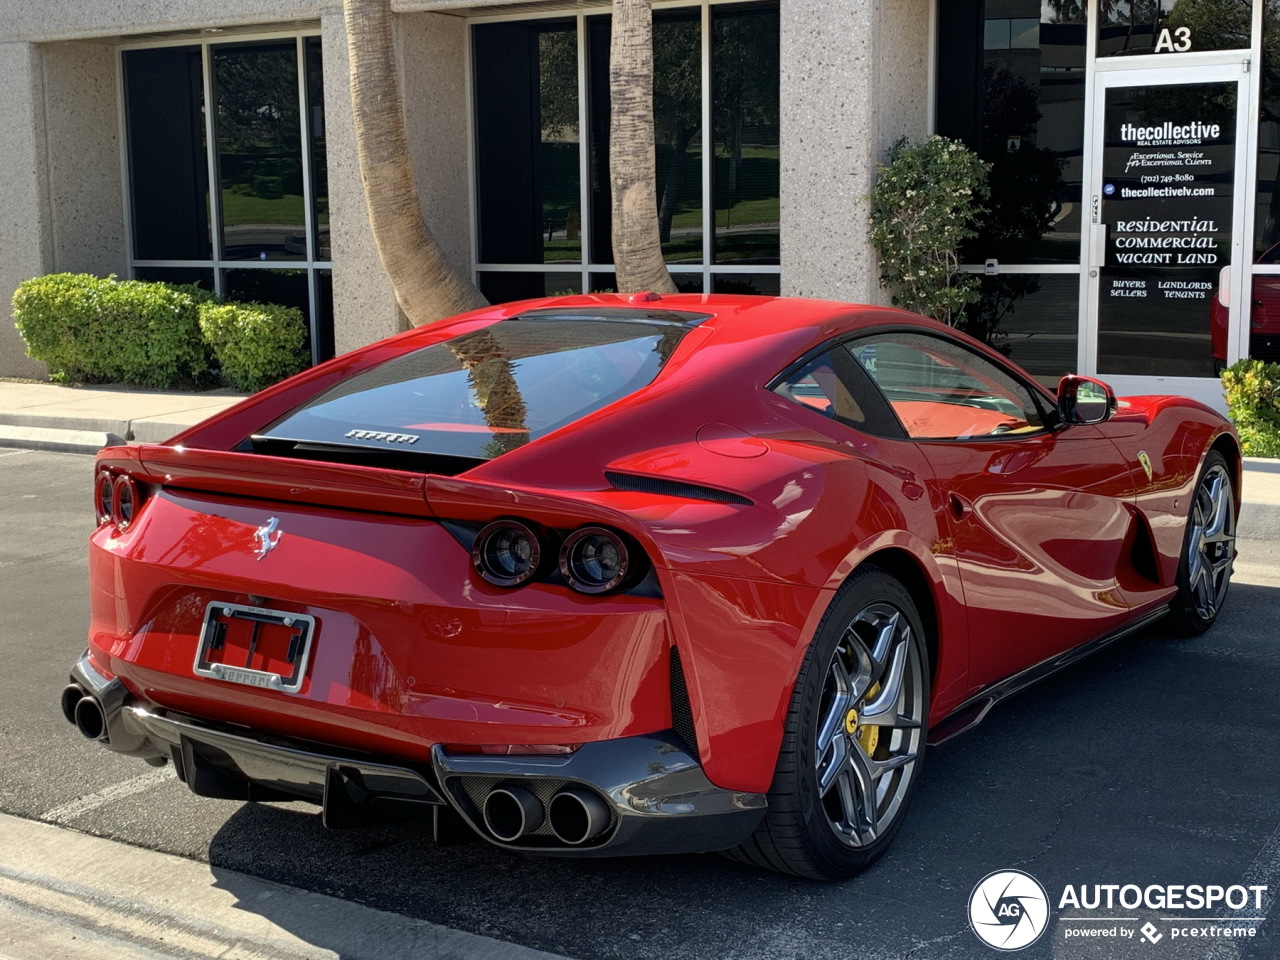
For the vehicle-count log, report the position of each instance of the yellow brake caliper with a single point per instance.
(867, 735)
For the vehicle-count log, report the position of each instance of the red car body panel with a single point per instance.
(415, 649)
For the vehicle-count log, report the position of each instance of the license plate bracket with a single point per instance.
(255, 646)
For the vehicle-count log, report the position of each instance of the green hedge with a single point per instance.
(1253, 401)
(256, 344)
(152, 334)
(90, 328)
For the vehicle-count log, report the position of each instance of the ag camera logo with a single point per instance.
(1009, 910)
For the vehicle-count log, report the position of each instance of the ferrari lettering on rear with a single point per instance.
(380, 435)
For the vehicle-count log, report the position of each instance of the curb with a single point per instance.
(57, 440)
(69, 895)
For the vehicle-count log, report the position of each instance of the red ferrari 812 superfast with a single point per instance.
(618, 575)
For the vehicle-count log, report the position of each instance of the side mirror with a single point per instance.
(1085, 400)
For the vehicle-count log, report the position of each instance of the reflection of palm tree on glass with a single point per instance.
(491, 377)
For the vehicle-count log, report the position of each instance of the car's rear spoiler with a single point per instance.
(352, 487)
(340, 485)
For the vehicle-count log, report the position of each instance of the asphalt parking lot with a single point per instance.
(1155, 762)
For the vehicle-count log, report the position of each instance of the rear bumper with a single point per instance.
(657, 796)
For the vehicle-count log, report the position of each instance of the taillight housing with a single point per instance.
(509, 553)
(103, 494)
(596, 560)
(126, 498)
(117, 498)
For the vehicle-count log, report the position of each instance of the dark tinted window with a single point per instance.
(168, 164)
(481, 394)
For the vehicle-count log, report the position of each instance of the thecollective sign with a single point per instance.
(1168, 181)
(1010, 910)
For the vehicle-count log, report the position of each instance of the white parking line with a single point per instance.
(66, 812)
(1265, 869)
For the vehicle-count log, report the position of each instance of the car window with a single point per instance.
(484, 393)
(835, 386)
(940, 390)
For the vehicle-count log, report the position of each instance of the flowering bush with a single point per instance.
(924, 203)
(1253, 401)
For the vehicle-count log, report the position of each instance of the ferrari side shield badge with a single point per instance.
(1145, 461)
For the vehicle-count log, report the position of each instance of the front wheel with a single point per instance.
(854, 737)
(1208, 549)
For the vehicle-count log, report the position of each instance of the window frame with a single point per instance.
(311, 265)
(588, 272)
(1046, 403)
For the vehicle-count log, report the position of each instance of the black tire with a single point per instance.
(1208, 550)
(808, 831)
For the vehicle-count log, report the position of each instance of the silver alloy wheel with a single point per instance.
(1211, 542)
(871, 724)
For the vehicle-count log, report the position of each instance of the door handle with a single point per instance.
(960, 507)
(1098, 245)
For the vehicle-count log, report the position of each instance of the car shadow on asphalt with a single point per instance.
(1151, 762)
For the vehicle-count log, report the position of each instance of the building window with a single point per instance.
(234, 198)
(541, 96)
(1014, 92)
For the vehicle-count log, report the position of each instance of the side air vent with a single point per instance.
(681, 712)
(672, 488)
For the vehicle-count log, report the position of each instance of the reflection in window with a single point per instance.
(1020, 105)
(745, 114)
(677, 131)
(259, 166)
(259, 151)
(1141, 27)
(528, 210)
(319, 150)
(1035, 320)
(527, 162)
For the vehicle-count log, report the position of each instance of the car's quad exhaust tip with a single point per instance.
(577, 816)
(83, 710)
(511, 812)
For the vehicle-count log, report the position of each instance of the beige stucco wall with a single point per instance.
(25, 245)
(854, 80)
(86, 193)
(86, 19)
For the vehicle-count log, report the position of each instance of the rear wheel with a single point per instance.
(854, 737)
(1208, 549)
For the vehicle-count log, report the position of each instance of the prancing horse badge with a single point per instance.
(1146, 463)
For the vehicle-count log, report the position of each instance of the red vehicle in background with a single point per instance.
(610, 575)
(1264, 317)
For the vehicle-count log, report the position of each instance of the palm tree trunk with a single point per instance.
(426, 286)
(637, 250)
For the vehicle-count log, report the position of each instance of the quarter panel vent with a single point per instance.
(672, 488)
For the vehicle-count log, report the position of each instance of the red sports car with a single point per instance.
(608, 575)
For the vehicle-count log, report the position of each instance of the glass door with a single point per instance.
(1166, 210)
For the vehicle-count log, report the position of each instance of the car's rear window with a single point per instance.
(479, 395)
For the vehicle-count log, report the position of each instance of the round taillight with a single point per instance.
(124, 501)
(102, 494)
(595, 560)
(507, 553)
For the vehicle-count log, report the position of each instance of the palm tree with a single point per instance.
(637, 248)
(426, 286)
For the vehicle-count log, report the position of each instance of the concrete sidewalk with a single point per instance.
(49, 416)
(76, 897)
